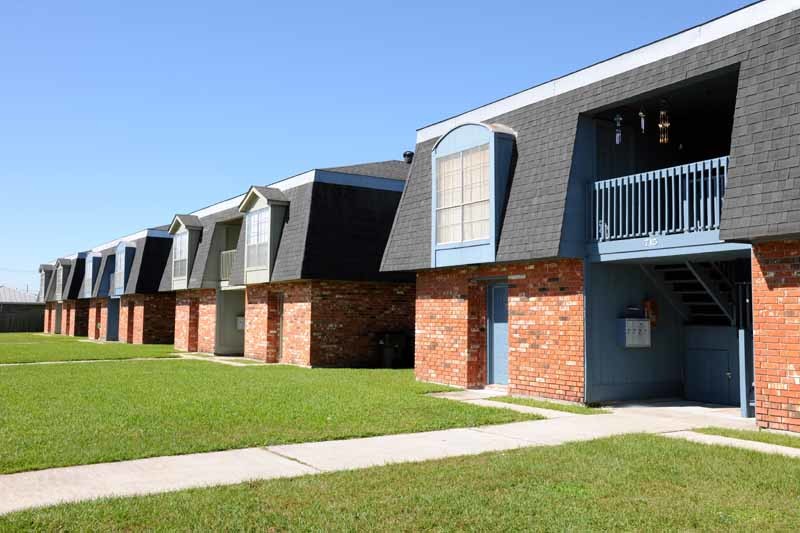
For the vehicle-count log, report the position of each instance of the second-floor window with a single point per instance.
(181, 255)
(87, 278)
(257, 238)
(59, 282)
(119, 271)
(462, 196)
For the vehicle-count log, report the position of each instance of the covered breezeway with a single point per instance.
(675, 327)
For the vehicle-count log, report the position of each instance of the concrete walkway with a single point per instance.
(162, 474)
(719, 440)
(483, 397)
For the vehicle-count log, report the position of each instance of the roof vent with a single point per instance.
(408, 156)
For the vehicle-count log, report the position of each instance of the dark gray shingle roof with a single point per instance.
(210, 226)
(14, 296)
(270, 193)
(396, 170)
(149, 262)
(761, 201)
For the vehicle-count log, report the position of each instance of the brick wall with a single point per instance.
(98, 319)
(545, 314)
(324, 323)
(147, 318)
(75, 317)
(196, 320)
(94, 319)
(348, 318)
(49, 317)
(268, 336)
(776, 334)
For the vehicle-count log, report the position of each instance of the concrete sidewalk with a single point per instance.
(162, 474)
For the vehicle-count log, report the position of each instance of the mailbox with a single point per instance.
(634, 332)
(240, 323)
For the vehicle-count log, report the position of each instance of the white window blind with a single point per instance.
(180, 257)
(119, 271)
(462, 196)
(87, 278)
(257, 238)
(59, 282)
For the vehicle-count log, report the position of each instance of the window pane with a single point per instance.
(476, 174)
(87, 278)
(179, 270)
(448, 225)
(448, 186)
(476, 221)
(257, 238)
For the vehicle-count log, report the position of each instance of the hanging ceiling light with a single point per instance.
(618, 121)
(642, 115)
(663, 123)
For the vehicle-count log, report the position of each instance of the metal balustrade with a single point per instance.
(226, 264)
(682, 199)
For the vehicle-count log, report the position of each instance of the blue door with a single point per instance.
(112, 320)
(497, 367)
(712, 364)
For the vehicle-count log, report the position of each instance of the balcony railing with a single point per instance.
(682, 199)
(226, 264)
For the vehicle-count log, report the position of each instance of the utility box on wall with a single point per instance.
(634, 332)
(240, 323)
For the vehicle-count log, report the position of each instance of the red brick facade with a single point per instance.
(195, 320)
(75, 318)
(50, 317)
(98, 318)
(776, 334)
(324, 323)
(147, 318)
(545, 320)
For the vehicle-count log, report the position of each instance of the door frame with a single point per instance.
(490, 330)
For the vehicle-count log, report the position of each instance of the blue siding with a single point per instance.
(617, 373)
(712, 364)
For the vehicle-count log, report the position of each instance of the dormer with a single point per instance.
(471, 168)
(187, 231)
(123, 260)
(90, 273)
(61, 276)
(45, 276)
(265, 211)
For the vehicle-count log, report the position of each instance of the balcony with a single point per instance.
(665, 208)
(226, 259)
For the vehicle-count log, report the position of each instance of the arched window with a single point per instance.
(470, 170)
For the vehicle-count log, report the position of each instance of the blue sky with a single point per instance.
(114, 116)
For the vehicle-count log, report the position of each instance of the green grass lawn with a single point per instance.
(34, 348)
(555, 406)
(759, 436)
(56, 415)
(634, 482)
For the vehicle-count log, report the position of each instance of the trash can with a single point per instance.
(394, 349)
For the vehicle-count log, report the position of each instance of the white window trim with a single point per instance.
(181, 242)
(119, 272)
(88, 277)
(249, 218)
(59, 282)
(463, 204)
